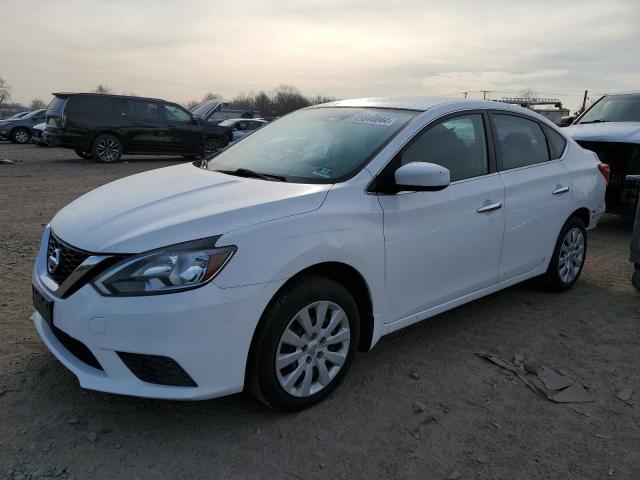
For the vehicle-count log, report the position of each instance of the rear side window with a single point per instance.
(556, 141)
(93, 105)
(56, 105)
(123, 108)
(521, 142)
(458, 144)
(146, 110)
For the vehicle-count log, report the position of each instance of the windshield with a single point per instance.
(318, 145)
(614, 108)
(17, 115)
(202, 109)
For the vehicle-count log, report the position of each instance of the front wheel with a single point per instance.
(568, 257)
(107, 149)
(83, 153)
(635, 278)
(211, 146)
(21, 136)
(304, 344)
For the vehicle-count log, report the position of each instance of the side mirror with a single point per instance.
(421, 177)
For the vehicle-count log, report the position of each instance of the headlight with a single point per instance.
(166, 270)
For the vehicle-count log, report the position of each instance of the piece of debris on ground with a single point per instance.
(554, 385)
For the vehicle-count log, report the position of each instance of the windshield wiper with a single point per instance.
(600, 120)
(245, 172)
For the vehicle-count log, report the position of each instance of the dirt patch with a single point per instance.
(420, 405)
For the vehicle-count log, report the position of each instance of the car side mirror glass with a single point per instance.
(422, 177)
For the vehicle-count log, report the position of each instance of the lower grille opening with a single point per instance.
(76, 348)
(157, 369)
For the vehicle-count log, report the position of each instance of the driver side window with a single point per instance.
(176, 114)
(457, 143)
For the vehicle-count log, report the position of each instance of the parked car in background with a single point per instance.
(37, 134)
(215, 111)
(242, 127)
(268, 265)
(18, 115)
(105, 127)
(611, 128)
(18, 130)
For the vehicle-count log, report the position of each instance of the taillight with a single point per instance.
(65, 122)
(605, 170)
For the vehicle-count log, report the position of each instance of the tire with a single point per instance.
(107, 149)
(568, 257)
(282, 318)
(211, 146)
(83, 154)
(635, 278)
(21, 136)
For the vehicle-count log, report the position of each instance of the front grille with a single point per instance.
(70, 258)
(157, 369)
(76, 348)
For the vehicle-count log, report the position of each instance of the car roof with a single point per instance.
(421, 104)
(630, 92)
(244, 120)
(133, 97)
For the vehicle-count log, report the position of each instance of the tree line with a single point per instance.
(274, 103)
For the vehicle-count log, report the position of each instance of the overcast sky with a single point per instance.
(180, 49)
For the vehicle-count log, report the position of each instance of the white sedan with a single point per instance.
(267, 266)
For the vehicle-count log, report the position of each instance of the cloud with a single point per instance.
(342, 48)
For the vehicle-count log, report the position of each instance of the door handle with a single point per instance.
(489, 208)
(560, 190)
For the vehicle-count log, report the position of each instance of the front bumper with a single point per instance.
(206, 331)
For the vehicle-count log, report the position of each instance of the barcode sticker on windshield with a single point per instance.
(370, 119)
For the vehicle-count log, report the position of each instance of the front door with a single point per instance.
(441, 246)
(185, 132)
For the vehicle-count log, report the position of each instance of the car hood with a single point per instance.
(623, 132)
(177, 204)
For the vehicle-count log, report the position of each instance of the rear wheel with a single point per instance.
(107, 149)
(211, 146)
(568, 257)
(304, 344)
(20, 135)
(83, 153)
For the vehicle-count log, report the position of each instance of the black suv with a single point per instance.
(106, 126)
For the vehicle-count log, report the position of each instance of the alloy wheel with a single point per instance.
(108, 150)
(312, 349)
(211, 146)
(571, 255)
(22, 136)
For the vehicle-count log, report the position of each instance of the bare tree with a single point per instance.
(211, 96)
(528, 93)
(103, 89)
(5, 90)
(37, 104)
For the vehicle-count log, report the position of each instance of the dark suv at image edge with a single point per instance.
(106, 126)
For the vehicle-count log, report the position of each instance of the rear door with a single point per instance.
(185, 133)
(537, 193)
(147, 132)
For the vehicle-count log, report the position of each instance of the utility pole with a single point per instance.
(484, 93)
(584, 100)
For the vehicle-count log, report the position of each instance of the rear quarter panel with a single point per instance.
(588, 183)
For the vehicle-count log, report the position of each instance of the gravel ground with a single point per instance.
(420, 405)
